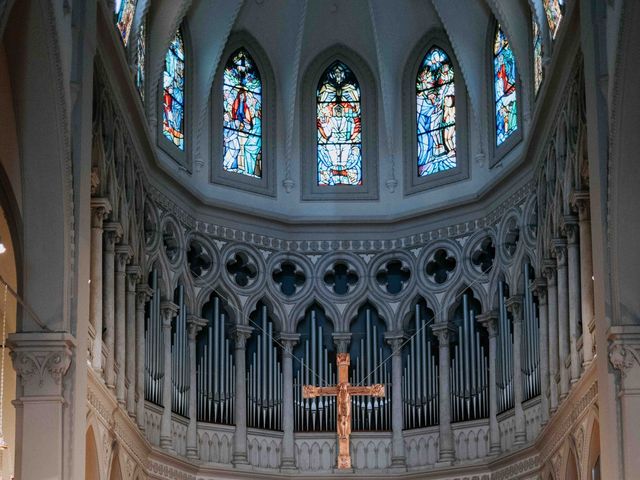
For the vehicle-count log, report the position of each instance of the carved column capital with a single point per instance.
(342, 341)
(288, 340)
(123, 255)
(194, 325)
(143, 294)
(549, 271)
(514, 305)
(242, 333)
(134, 273)
(624, 355)
(580, 199)
(395, 340)
(168, 310)
(560, 251)
(100, 208)
(443, 331)
(540, 290)
(112, 235)
(571, 229)
(41, 360)
(489, 320)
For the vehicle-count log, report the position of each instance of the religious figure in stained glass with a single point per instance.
(242, 110)
(436, 114)
(173, 92)
(537, 56)
(140, 58)
(124, 11)
(504, 81)
(554, 9)
(339, 126)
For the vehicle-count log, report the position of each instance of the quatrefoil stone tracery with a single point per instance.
(393, 276)
(289, 278)
(441, 266)
(341, 278)
(242, 269)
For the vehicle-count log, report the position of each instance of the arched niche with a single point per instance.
(92, 465)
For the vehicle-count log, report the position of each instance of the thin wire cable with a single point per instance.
(27, 308)
(4, 334)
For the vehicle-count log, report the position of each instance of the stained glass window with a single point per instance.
(242, 105)
(140, 58)
(537, 56)
(124, 11)
(173, 92)
(504, 81)
(339, 125)
(554, 10)
(436, 114)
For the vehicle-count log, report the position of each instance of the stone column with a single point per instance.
(552, 315)
(123, 254)
(41, 360)
(99, 208)
(133, 275)
(143, 294)
(112, 234)
(242, 333)
(581, 201)
(194, 325)
(541, 292)
(288, 341)
(447, 453)
(168, 311)
(560, 247)
(573, 261)
(514, 305)
(398, 458)
(489, 321)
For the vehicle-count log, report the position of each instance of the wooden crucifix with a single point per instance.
(343, 390)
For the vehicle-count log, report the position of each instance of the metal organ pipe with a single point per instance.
(154, 360)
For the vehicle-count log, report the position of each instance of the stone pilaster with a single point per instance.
(288, 341)
(398, 457)
(489, 321)
(447, 453)
(514, 305)
(41, 361)
(112, 234)
(143, 294)
(552, 315)
(242, 333)
(581, 201)
(168, 311)
(560, 250)
(100, 207)
(123, 254)
(194, 325)
(541, 292)
(575, 320)
(133, 276)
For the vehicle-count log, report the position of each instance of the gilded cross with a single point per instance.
(343, 390)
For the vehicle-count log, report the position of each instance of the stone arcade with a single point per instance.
(207, 205)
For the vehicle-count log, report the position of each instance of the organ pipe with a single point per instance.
(180, 359)
(468, 370)
(216, 373)
(530, 336)
(420, 377)
(504, 354)
(154, 339)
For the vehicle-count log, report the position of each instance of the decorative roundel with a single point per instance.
(391, 273)
(483, 255)
(341, 278)
(202, 260)
(289, 278)
(242, 269)
(171, 242)
(441, 266)
(151, 229)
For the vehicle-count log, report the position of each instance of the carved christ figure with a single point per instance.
(343, 391)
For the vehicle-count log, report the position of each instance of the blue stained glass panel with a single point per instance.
(173, 95)
(141, 51)
(124, 10)
(436, 114)
(339, 127)
(537, 57)
(504, 78)
(242, 110)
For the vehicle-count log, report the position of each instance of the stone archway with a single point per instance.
(593, 460)
(92, 465)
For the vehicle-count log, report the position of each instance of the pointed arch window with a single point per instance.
(436, 114)
(173, 83)
(141, 51)
(339, 127)
(242, 110)
(554, 10)
(504, 82)
(124, 11)
(537, 56)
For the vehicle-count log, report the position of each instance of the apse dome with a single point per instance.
(434, 113)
